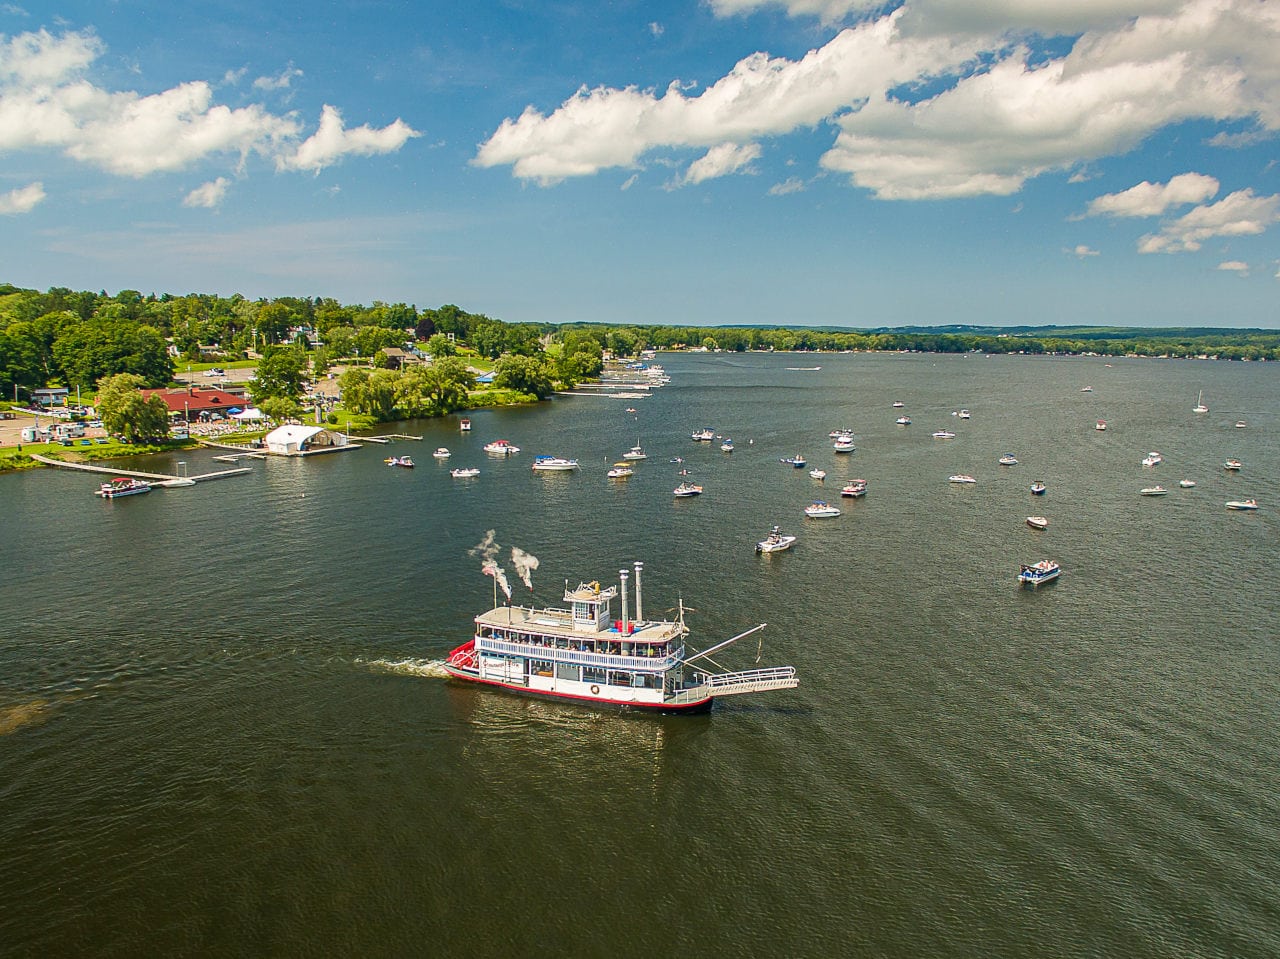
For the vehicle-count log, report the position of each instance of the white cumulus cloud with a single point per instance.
(207, 195)
(1153, 199)
(22, 200)
(939, 98)
(1082, 250)
(721, 160)
(332, 141)
(1237, 214)
(790, 185)
(279, 82)
(1237, 267)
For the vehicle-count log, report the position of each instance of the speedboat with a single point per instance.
(442, 453)
(1153, 491)
(798, 461)
(961, 478)
(944, 435)
(898, 404)
(1037, 522)
(630, 409)
(1186, 484)
(687, 489)
(836, 434)
(727, 446)
(964, 414)
(844, 444)
(1041, 572)
(1241, 424)
(502, 447)
(775, 542)
(1037, 488)
(635, 453)
(855, 489)
(1200, 407)
(620, 471)
(123, 486)
(1247, 505)
(464, 472)
(1008, 460)
(703, 435)
(676, 459)
(903, 421)
(818, 474)
(465, 425)
(1086, 389)
(820, 510)
(1152, 459)
(553, 464)
(1100, 426)
(1232, 464)
(406, 461)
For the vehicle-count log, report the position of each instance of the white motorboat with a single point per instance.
(1245, 505)
(1037, 488)
(620, 471)
(820, 510)
(775, 542)
(1152, 459)
(703, 436)
(798, 461)
(635, 453)
(727, 446)
(1186, 483)
(1100, 426)
(1200, 407)
(442, 453)
(1232, 465)
(844, 444)
(1008, 460)
(123, 486)
(1153, 491)
(464, 472)
(961, 479)
(465, 425)
(501, 447)
(818, 474)
(855, 489)
(687, 489)
(1038, 522)
(1041, 572)
(553, 464)
(944, 435)
(1241, 424)
(898, 404)
(964, 414)
(405, 461)
(903, 421)
(836, 434)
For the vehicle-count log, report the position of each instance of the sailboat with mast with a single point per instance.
(1200, 407)
(581, 654)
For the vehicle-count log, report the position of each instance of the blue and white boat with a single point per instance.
(1042, 572)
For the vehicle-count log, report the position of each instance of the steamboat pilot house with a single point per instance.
(582, 653)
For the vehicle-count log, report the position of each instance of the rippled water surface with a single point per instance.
(223, 728)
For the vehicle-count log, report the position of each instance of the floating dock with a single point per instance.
(157, 479)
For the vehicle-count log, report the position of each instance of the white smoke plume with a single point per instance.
(487, 549)
(490, 568)
(525, 564)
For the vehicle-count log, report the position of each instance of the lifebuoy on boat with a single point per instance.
(595, 690)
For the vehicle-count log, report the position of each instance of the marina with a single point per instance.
(269, 751)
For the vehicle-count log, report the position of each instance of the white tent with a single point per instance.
(246, 416)
(297, 440)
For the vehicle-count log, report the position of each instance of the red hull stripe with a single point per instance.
(601, 700)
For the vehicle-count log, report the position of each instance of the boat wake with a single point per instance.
(431, 668)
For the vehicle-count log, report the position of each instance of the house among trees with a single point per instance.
(193, 401)
(51, 396)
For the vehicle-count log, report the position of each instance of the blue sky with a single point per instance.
(826, 162)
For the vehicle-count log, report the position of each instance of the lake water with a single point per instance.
(223, 730)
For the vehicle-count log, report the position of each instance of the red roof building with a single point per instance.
(195, 400)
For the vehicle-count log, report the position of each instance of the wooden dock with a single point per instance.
(158, 479)
(388, 437)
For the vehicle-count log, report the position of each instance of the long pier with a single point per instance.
(159, 479)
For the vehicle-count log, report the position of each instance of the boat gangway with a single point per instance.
(735, 684)
(158, 479)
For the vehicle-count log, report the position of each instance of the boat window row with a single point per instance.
(606, 647)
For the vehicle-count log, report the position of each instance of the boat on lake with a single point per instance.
(1100, 426)
(727, 446)
(635, 453)
(1037, 488)
(464, 472)
(703, 436)
(1232, 465)
(620, 471)
(123, 486)
(1186, 483)
(553, 464)
(1008, 460)
(898, 404)
(1034, 574)
(582, 654)
(686, 490)
(405, 461)
(820, 510)
(1038, 522)
(442, 453)
(502, 448)
(844, 444)
(903, 421)
(944, 435)
(465, 425)
(961, 479)
(1153, 491)
(1200, 407)
(818, 474)
(798, 461)
(1244, 505)
(964, 414)
(1241, 424)
(855, 489)
(775, 542)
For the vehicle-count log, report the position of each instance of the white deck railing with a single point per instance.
(635, 664)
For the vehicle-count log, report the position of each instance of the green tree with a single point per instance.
(125, 412)
(524, 374)
(280, 408)
(440, 345)
(281, 372)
